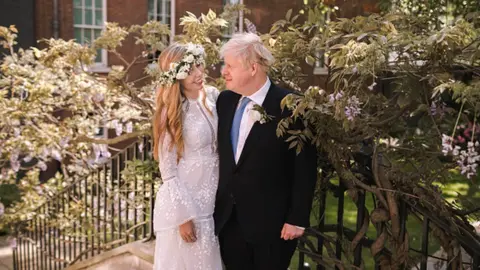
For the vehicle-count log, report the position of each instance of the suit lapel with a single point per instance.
(269, 105)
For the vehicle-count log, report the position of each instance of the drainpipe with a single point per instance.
(172, 20)
(240, 19)
(56, 23)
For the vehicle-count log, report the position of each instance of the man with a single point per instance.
(265, 190)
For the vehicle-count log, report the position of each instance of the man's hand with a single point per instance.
(187, 232)
(290, 232)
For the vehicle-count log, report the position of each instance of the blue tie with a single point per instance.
(237, 119)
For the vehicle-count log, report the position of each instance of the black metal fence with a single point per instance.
(105, 210)
(109, 208)
(314, 244)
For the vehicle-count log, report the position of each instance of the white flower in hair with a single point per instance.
(179, 70)
(181, 75)
(189, 59)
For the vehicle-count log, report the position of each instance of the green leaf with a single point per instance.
(310, 60)
(289, 14)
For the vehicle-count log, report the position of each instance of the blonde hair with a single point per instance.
(168, 116)
(249, 48)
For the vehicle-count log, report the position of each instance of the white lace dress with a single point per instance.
(188, 192)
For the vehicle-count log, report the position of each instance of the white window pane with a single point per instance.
(231, 2)
(98, 59)
(77, 3)
(98, 17)
(87, 35)
(97, 33)
(159, 7)
(151, 6)
(88, 17)
(77, 16)
(78, 35)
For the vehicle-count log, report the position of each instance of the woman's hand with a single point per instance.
(187, 232)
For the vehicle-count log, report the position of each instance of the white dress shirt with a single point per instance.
(247, 122)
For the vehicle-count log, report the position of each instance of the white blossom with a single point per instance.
(129, 127)
(446, 144)
(372, 86)
(56, 155)
(42, 165)
(28, 158)
(15, 166)
(140, 147)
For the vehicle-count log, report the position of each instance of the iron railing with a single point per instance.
(110, 208)
(342, 236)
(105, 210)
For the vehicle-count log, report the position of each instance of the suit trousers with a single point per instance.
(241, 254)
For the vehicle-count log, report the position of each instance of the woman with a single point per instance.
(184, 129)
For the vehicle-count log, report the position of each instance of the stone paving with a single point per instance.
(6, 262)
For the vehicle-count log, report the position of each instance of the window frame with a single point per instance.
(101, 66)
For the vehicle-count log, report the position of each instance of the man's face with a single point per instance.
(236, 73)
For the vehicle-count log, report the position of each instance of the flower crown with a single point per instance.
(179, 70)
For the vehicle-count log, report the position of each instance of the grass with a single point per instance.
(457, 189)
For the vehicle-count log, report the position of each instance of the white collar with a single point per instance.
(259, 96)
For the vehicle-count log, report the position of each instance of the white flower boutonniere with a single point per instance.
(258, 114)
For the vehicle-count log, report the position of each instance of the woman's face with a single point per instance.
(194, 81)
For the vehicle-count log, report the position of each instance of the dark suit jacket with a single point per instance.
(270, 185)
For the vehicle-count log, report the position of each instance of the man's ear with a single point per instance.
(254, 69)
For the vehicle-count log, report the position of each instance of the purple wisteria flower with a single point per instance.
(64, 142)
(437, 109)
(446, 144)
(2, 209)
(353, 108)
(468, 160)
(98, 97)
(334, 97)
(118, 127)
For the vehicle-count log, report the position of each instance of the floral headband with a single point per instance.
(179, 70)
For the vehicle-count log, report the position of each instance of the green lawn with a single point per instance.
(466, 193)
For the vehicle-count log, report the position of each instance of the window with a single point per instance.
(237, 25)
(88, 22)
(159, 10)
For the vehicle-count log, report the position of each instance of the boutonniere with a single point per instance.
(258, 114)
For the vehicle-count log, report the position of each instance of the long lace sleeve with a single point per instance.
(174, 205)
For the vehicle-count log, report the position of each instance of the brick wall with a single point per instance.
(127, 13)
